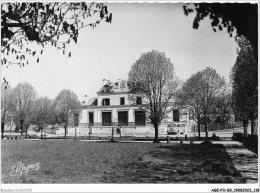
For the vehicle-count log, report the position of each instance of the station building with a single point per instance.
(112, 111)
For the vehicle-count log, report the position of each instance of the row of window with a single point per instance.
(106, 101)
(122, 118)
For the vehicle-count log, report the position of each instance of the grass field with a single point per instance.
(68, 161)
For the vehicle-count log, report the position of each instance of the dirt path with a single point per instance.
(246, 162)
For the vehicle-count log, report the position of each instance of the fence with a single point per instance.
(217, 126)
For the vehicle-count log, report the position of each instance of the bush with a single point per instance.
(251, 142)
(238, 137)
(215, 137)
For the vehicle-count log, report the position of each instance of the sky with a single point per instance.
(109, 50)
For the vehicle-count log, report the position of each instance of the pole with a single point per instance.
(75, 133)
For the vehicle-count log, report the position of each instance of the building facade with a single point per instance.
(111, 110)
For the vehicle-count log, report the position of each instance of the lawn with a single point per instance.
(68, 161)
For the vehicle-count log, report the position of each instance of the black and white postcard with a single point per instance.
(129, 96)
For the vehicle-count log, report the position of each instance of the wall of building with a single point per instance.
(114, 108)
(139, 131)
(98, 114)
(114, 99)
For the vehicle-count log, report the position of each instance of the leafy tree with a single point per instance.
(22, 105)
(239, 17)
(152, 79)
(65, 106)
(43, 113)
(24, 25)
(5, 106)
(223, 111)
(244, 79)
(190, 98)
(201, 93)
(211, 87)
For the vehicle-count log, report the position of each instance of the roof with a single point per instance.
(92, 101)
(114, 87)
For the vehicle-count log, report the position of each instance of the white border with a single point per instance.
(131, 187)
(125, 187)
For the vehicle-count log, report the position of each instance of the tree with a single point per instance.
(43, 113)
(244, 80)
(66, 105)
(223, 110)
(201, 93)
(242, 17)
(190, 98)
(5, 106)
(153, 85)
(23, 25)
(22, 104)
(211, 86)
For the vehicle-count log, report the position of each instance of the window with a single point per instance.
(91, 119)
(116, 85)
(138, 100)
(106, 119)
(122, 84)
(105, 102)
(122, 118)
(176, 115)
(122, 101)
(139, 118)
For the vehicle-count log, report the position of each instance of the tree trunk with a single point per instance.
(156, 137)
(41, 132)
(112, 136)
(21, 127)
(206, 128)
(199, 129)
(10, 128)
(252, 127)
(2, 128)
(245, 124)
(26, 130)
(65, 134)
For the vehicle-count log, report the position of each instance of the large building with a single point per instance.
(111, 109)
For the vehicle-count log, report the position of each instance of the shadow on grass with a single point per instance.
(179, 163)
(68, 161)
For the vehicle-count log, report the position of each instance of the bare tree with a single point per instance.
(22, 104)
(26, 25)
(5, 106)
(66, 106)
(153, 85)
